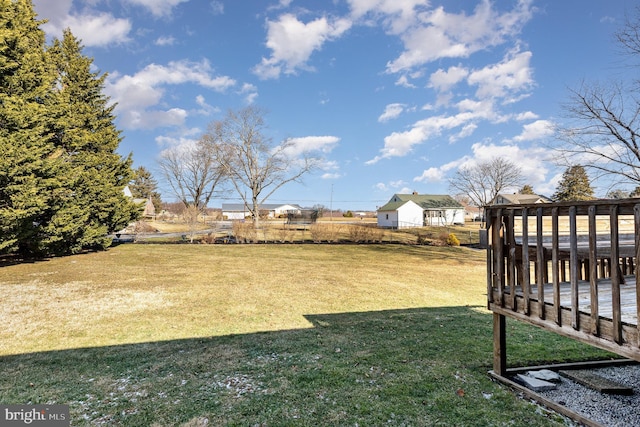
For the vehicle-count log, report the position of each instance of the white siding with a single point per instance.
(388, 219)
(410, 215)
(235, 215)
(285, 209)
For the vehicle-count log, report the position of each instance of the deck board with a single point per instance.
(605, 306)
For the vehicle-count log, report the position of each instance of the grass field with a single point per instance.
(264, 335)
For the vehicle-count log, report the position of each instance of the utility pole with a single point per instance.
(331, 205)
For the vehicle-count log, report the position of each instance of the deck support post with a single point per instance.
(499, 344)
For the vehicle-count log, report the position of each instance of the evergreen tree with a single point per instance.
(27, 157)
(574, 185)
(61, 181)
(144, 185)
(527, 189)
(91, 201)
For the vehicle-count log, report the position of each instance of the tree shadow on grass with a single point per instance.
(418, 367)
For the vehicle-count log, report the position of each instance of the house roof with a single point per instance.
(521, 199)
(425, 201)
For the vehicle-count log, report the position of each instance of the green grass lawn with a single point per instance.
(272, 335)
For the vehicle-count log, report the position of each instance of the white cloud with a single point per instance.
(534, 169)
(397, 15)
(282, 4)
(205, 108)
(165, 41)
(93, 28)
(465, 132)
(536, 130)
(400, 144)
(391, 111)
(137, 93)
(292, 42)
(527, 115)
(307, 144)
(154, 119)
(453, 35)
(438, 174)
(250, 93)
(501, 82)
(187, 139)
(510, 76)
(158, 7)
(442, 80)
(430, 175)
(404, 82)
(381, 186)
(331, 176)
(217, 7)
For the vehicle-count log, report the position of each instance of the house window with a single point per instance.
(387, 216)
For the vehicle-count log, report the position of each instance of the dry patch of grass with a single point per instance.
(136, 293)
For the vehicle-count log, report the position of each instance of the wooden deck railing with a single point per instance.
(567, 267)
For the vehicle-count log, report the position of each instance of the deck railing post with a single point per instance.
(496, 278)
(499, 344)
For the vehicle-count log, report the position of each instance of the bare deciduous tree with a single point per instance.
(255, 166)
(604, 132)
(482, 182)
(194, 175)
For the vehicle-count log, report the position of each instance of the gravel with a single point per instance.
(607, 409)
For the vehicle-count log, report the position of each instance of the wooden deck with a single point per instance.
(573, 267)
(628, 309)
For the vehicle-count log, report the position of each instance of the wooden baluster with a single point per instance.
(512, 278)
(593, 271)
(557, 308)
(574, 267)
(541, 263)
(526, 274)
(490, 256)
(615, 276)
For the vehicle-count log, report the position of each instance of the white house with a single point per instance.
(236, 211)
(419, 210)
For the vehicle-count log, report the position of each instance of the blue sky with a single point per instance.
(394, 95)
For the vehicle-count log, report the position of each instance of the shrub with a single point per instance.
(452, 240)
(363, 234)
(324, 232)
(244, 231)
(284, 234)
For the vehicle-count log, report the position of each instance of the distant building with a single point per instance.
(518, 199)
(419, 210)
(149, 210)
(235, 211)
